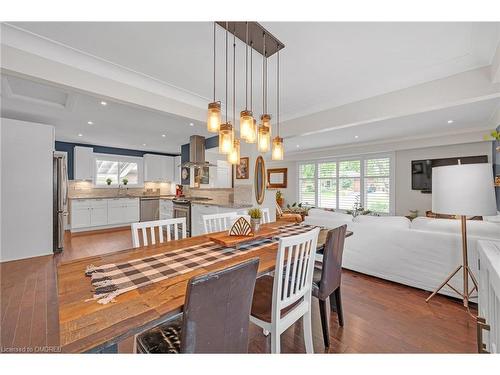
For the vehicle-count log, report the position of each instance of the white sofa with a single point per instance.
(418, 253)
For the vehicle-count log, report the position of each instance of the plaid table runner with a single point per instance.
(111, 280)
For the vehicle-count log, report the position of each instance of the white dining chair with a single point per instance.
(290, 290)
(218, 222)
(171, 226)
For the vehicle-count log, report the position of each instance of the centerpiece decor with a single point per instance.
(241, 227)
(255, 218)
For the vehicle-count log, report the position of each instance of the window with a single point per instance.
(117, 168)
(307, 186)
(339, 184)
(377, 184)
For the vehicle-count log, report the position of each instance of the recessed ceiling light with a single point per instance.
(163, 135)
(144, 144)
(450, 121)
(103, 103)
(191, 124)
(356, 136)
(298, 146)
(90, 122)
(80, 134)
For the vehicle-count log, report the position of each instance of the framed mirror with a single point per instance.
(277, 178)
(260, 179)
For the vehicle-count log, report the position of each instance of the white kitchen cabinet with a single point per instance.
(131, 210)
(98, 212)
(158, 167)
(197, 212)
(177, 170)
(83, 167)
(80, 213)
(224, 174)
(123, 210)
(166, 209)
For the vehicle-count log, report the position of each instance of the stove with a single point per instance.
(182, 208)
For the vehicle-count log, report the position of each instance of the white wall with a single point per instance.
(405, 198)
(408, 199)
(26, 189)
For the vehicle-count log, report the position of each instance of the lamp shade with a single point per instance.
(465, 189)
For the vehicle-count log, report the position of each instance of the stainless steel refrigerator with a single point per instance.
(60, 178)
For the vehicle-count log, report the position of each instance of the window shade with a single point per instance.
(377, 184)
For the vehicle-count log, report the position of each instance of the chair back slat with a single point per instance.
(160, 225)
(294, 269)
(218, 222)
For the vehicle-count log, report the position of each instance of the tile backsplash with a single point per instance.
(78, 189)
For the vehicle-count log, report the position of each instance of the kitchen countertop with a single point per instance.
(127, 196)
(225, 205)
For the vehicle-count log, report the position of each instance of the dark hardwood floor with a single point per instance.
(380, 316)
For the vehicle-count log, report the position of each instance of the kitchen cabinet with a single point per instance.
(98, 212)
(158, 168)
(177, 170)
(224, 175)
(83, 165)
(92, 213)
(166, 209)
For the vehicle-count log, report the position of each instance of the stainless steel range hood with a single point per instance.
(197, 153)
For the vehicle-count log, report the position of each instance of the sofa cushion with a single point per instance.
(333, 215)
(493, 219)
(390, 221)
(476, 228)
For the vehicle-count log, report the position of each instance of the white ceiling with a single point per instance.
(465, 118)
(324, 64)
(114, 125)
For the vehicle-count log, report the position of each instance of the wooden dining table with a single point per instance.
(87, 326)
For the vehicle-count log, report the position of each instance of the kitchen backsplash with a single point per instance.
(78, 189)
(241, 194)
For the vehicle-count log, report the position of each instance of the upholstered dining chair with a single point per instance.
(280, 301)
(167, 230)
(327, 279)
(215, 316)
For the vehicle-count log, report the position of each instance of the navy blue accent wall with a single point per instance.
(209, 143)
(68, 147)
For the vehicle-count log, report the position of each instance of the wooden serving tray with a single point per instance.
(224, 239)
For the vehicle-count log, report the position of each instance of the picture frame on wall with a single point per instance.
(242, 169)
(277, 178)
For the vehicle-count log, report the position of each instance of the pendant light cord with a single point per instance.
(251, 76)
(278, 93)
(214, 59)
(234, 78)
(246, 69)
(264, 76)
(226, 69)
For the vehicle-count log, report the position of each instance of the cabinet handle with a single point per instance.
(480, 325)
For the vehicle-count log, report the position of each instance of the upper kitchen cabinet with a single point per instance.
(177, 170)
(83, 166)
(158, 168)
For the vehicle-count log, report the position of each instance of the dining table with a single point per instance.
(87, 326)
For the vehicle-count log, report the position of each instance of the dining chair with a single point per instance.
(279, 301)
(215, 316)
(327, 279)
(170, 226)
(218, 222)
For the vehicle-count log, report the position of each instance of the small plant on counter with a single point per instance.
(125, 181)
(109, 181)
(279, 198)
(255, 217)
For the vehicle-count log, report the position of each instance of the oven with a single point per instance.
(182, 208)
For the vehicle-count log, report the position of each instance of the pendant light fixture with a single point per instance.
(234, 155)
(214, 111)
(246, 116)
(278, 148)
(226, 134)
(264, 134)
(252, 135)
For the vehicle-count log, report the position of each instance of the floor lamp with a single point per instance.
(463, 190)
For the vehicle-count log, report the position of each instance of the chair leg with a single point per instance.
(323, 310)
(275, 342)
(307, 325)
(338, 303)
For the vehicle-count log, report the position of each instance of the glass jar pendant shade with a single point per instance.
(214, 117)
(278, 149)
(264, 138)
(252, 136)
(226, 138)
(246, 124)
(234, 156)
(266, 120)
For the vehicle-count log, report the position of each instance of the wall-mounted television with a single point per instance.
(421, 170)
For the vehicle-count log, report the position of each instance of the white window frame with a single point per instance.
(362, 158)
(119, 158)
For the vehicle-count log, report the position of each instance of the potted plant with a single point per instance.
(495, 136)
(125, 181)
(109, 181)
(255, 217)
(279, 198)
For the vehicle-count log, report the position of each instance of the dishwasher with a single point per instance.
(150, 208)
